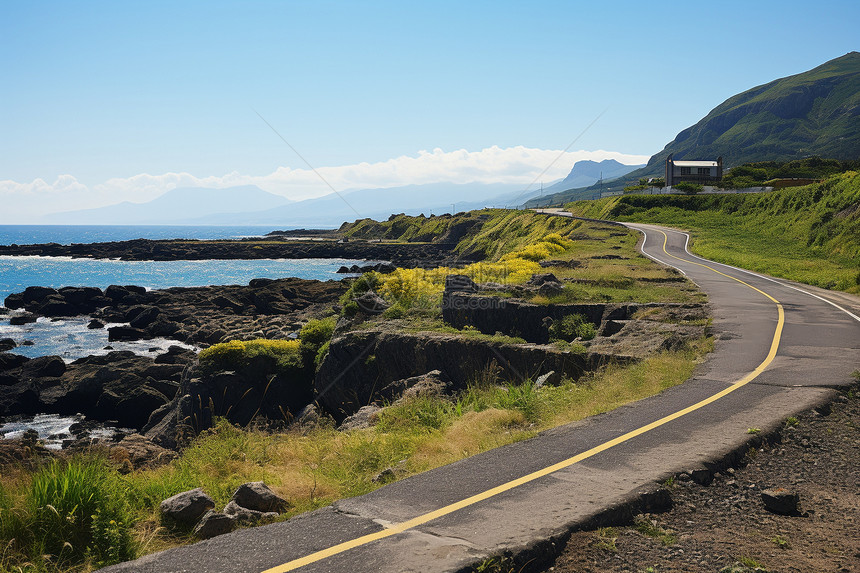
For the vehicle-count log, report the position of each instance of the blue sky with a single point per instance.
(100, 91)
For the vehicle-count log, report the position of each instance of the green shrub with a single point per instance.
(317, 332)
(315, 337)
(571, 327)
(688, 188)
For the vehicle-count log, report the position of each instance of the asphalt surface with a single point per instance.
(452, 517)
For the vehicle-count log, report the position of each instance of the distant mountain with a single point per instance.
(331, 210)
(587, 172)
(178, 206)
(811, 113)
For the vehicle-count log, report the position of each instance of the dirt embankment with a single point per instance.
(724, 526)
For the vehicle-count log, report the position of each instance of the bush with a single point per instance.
(571, 327)
(688, 188)
(283, 356)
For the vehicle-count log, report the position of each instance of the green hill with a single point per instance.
(809, 234)
(812, 113)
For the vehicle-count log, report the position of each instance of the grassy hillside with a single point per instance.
(489, 233)
(809, 234)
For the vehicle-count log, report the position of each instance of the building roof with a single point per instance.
(695, 163)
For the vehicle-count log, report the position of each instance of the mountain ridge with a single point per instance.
(816, 112)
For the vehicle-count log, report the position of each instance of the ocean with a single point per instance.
(70, 338)
(68, 234)
(17, 273)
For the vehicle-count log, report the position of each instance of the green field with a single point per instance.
(809, 234)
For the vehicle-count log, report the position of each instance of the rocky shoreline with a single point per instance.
(274, 247)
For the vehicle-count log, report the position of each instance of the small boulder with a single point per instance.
(95, 324)
(20, 319)
(309, 415)
(143, 316)
(371, 303)
(9, 361)
(364, 418)
(460, 283)
(7, 344)
(543, 278)
(702, 476)
(245, 515)
(116, 333)
(213, 524)
(780, 500)
(187, 507)
(45, 367)
(257, 496)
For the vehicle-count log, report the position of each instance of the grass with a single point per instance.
(313, 468)
(649, 527)
(809, 234)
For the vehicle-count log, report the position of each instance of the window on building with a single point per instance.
(704, 170)
(685, 171)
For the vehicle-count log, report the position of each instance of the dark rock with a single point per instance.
(9, 361)
(95, 324)
(213, 524)
(7, 344)
(44, 366)
(165, 371)
(258, 497)
(141, 452)
(163, 327)
(37, 295)
(56, 306)
(80, 296)
(460, 283)
(702, 476)
(432, 383)
(28, 343)
(223, 301)
(130, 407)
(187, 507)
(371, 303)
(175, 355)
(20, 319)
(247, 516)
(543, 278)
(127, 333)
(144, 317)
(781, 501)
(15, 301)
(346, 380)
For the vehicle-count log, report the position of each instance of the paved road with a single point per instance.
(779, 350)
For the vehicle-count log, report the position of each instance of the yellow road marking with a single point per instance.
(448, 509)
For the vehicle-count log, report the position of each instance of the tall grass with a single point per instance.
(72, 512)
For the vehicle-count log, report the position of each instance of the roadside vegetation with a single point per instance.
(89, 514)
(809, 234)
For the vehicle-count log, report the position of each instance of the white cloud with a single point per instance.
(514, 165)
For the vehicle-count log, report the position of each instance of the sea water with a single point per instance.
(68, 234)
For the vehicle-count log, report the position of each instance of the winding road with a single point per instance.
(781, 348)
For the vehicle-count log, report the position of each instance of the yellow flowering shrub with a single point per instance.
(405, 286)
